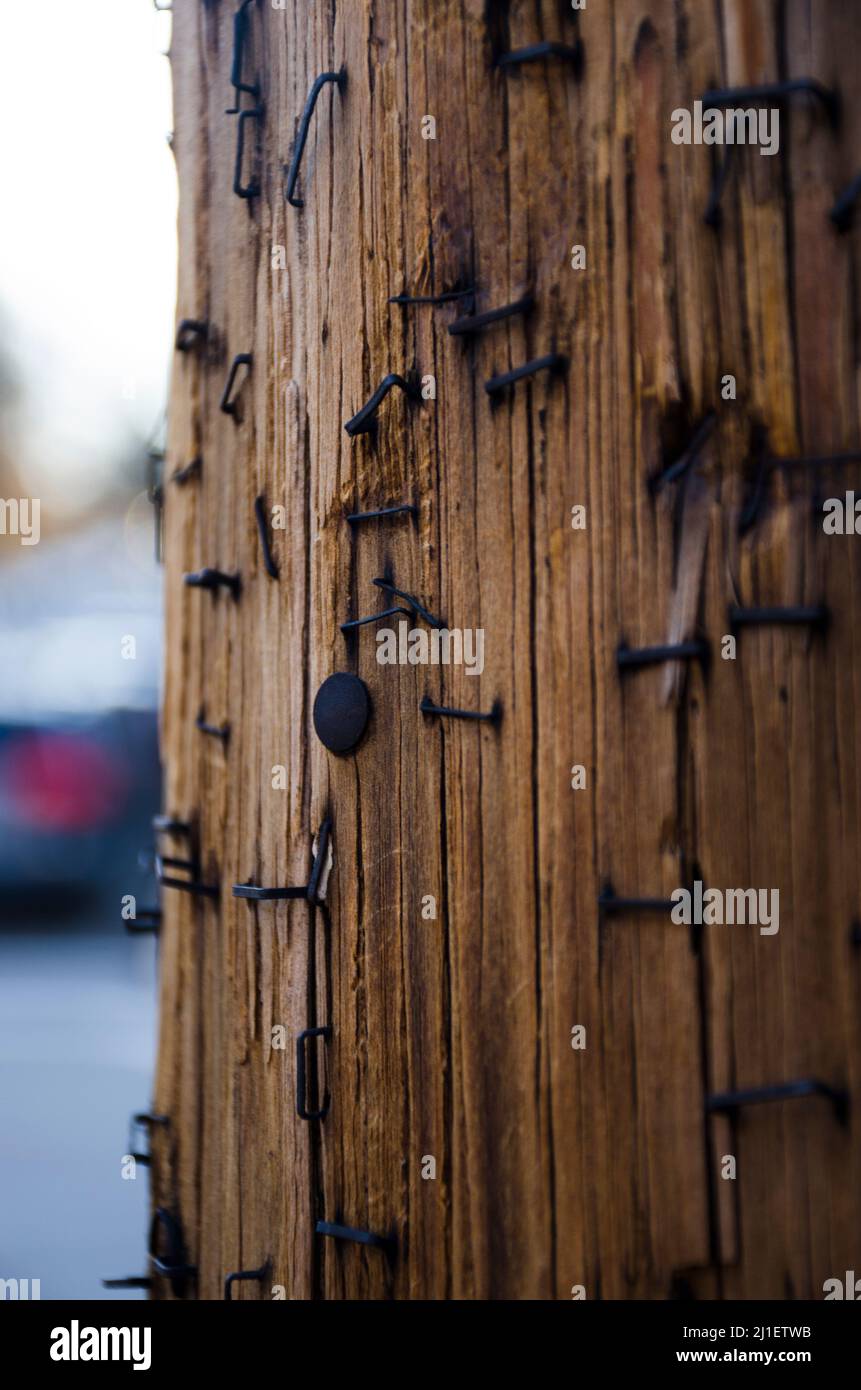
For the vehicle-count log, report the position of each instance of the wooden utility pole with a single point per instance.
(531, 1089)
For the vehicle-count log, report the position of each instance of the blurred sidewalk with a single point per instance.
(76, 1054)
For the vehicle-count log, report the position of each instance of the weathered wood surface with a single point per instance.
(452, 1037)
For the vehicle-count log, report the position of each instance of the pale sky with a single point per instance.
(88, 233)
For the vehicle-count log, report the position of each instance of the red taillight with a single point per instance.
(55, 781)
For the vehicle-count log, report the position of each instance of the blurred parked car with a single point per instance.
(71, 795)
(79, 773)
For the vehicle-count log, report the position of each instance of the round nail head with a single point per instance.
(341, 710)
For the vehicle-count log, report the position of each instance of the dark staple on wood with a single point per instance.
(445, 298)
(221, 731)
(338, 1232)
(475, 323)
(728, 1102)
(628, 658)
(243, 359)
(683, 463)
(769, 464)
(415, 609)
(191, 333)
(147, 1117)
(146, 919)
(213, 579)
(534, 52)
(267, 895)
(170, 825)
(144, 1120)
(192, 884)
(243, 1274)
(414, 604)
(252, 189)
(750, 510)
(814, 615)
(340, 78)
(843, 210)
(240, 33)
(308, 892)
(375, 618)
(759, 93)
(172, 1264)
(180, 476)
(609, 904)
(491, 716)
(365, 419)
(713, 215)
(323, 835)
(552, 362)
(405, 509)
(301, 1083)
(263, 531)
(155, 495)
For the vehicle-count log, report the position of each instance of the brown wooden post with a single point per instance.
(461, 941)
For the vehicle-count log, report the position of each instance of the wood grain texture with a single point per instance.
(452, 1037)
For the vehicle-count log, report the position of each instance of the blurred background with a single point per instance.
(87, 282)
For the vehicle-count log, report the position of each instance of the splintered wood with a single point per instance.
(529, 1078)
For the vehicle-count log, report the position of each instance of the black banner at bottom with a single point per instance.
(163, 1339)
